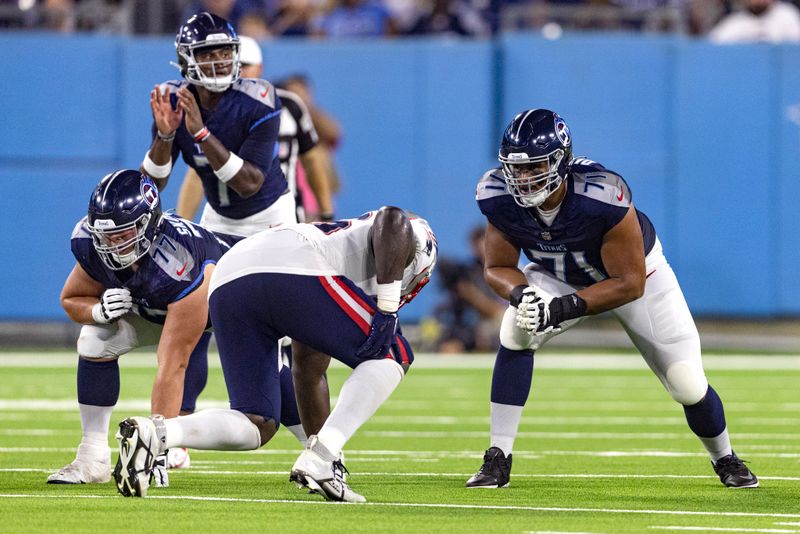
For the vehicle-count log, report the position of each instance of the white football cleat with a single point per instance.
(81, 472)
(322, 472)
(138, 447)
(178, 458)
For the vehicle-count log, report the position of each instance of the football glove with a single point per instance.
(381, 335)
(533, 311)
(114, 303)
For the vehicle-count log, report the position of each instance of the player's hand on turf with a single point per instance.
(114, 303)
(191, 110)
(533, 310)
(167, 119)
(381, 335)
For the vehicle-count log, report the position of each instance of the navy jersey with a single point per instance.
(597, 199)
(246, 121)
(172, 268)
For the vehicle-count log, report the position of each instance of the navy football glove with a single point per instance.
(381, 336)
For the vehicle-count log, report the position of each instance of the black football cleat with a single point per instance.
(733, 473)
(495, 471)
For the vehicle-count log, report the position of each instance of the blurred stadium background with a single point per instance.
(707, 135)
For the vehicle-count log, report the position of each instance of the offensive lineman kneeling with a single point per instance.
(313, 283)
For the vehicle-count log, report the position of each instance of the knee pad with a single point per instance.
(91, 347)
(686, 382)
(511, 336)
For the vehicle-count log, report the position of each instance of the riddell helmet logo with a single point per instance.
(149, 193)
(562, 131)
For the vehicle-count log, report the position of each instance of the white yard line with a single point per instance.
(722, 529)
(554, 509)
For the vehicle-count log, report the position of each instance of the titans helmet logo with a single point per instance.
(562, 131)
(149, 192)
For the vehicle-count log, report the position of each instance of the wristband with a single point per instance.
(566, 308)
(155, 170)
(230, 168)
(516, 294)
(166, 138)
(201, 135)
(389, 296)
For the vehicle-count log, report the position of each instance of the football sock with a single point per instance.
(98, 391)
(367, 387)
(511, 384)
(213, 429)
(196, 374)
(707, 421)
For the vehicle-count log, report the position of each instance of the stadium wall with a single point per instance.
(707, 137)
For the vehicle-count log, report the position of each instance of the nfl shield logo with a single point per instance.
(546, 236)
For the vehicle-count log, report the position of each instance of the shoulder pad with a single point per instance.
(491, 185)
(257, 89)
(81, 231)
(596, 182)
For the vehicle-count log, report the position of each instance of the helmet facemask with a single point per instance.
(193, 70)
(531, 180)
(121, 246)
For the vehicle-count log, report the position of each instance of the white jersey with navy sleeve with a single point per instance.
(596, 200)
(325, 249)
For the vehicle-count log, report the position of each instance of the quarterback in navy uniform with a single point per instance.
(590, 251)
(297, 143)
(141, 278)
(225, 128)
(335, 287)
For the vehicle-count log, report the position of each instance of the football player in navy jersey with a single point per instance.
(590, 251)
(297, 142)
(141, 278)
(334, 286)
(224, 127)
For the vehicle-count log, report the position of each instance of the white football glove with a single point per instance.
(114, 303)
(533, 312)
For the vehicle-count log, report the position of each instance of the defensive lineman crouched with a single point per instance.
(335, 287)
(590, 251)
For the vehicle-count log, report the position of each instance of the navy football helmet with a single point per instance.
(204, 32)
(124, 217)
(535, 152)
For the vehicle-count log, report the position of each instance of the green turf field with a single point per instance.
(602, 448)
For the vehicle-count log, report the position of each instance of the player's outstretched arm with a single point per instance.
(190, 195)
(622, 252)
(500, 268)
(185, 323)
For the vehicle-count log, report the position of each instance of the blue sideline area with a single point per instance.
(707, 137)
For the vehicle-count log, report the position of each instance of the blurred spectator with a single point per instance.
(58, 15)
(230, 10)
(328, 129)
(471, 314)
(355, 18)
(770, 21)
(294, 17)
(254, 24)
(451, 17)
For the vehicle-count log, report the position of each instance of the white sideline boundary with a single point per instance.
(574, 360)
(554, 509)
